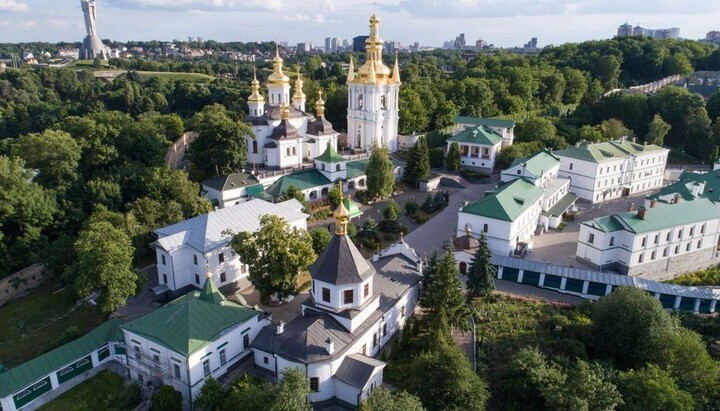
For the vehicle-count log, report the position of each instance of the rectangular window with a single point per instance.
(677, 249)
(314, 384)
(375, 340)
(164, 278)
(176, 369)
(666, 251)
(384, 330)
(640, 257)
(699, 244)
(571, 166)
(687, 247)
(221, 257)
(692, 231)
(591, 238)
(156, 359)
(223, 277)
(402, 312)
(363, 350)
(223, 359)
(366, 290)
(266, 360)
(197, 279)
(138, 352)
(195, 260)
(653, 254)
(246, 341)
(485, 228)
(644, 241)
(206, 367)
(702, 229)
(348, 297)
(680, 234)
(162, 257)
(669, 236)
(657, 238)
(612, 241)
(326, 295)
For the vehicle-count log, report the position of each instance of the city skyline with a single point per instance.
(429, 22)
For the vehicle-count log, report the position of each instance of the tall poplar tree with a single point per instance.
(380, 177)
(453, 157)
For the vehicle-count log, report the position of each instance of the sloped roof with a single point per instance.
(320, 126)
(205, 232)
(537, 164)
(606, 151)
(210, 293)
(659, 218)
(284, 131)
(302, 180)
(274, 112)
(352, 207)
(507, 202)
(687, 180)
(356, 370)
(231, 181)
(24, 374)
(330, 155)
(357, 168)
(189, 323)
(483, 135)
(341, 263)
(490, 122)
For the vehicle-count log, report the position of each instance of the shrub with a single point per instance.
(411, 207)
(404, 229)
(473, 175)
(436, 157)
(429, 204)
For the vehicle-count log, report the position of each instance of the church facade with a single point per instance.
(373, 98)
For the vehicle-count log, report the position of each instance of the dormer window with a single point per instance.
(326, 295)
(366, 290)
(348, 297)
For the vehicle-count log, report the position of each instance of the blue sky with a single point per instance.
(504, 23)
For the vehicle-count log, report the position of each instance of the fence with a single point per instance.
(16, 284)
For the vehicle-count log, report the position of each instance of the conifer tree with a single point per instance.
(481, 275)
(453, 157)
(443, 296)
(418, 165)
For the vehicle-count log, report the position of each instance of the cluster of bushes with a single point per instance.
(421, 213)
(473, 175)
(710, 276)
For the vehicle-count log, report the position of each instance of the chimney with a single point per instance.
(677, 199)
(652, 203)
(641, 212)
(281, 327)
(629, 207)
(329, 346)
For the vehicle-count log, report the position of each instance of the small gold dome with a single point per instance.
(342, 216)
(382, 72)
(278, 77)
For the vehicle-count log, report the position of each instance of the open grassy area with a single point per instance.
(44, 312)
(105, 391)
(175, 76)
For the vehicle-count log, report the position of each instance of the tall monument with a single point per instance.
(92, 47)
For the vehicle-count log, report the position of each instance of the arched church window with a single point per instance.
(272, 98)
(360, 101)
(255, 147)
(383, 103)
(294, 152)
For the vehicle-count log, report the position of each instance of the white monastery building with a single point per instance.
(480, 140)
(609, 170)
(652, 241)
(373, 98)
(355, 307)
(184, 249)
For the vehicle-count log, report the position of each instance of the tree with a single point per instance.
(166, 185)
(453, 157)
(537, 129)
(211, 396)
(713, 105)
(104, 265)
(166, 399)
(530, 376)
(380, 175)
(418, 165)
(275, 254)
(613, 129)
(657, 130)
(590, 134)
(413, 114)
(221, 146)
(335, 196)
(249, 393)
(444, 298)
(444, 380)
(626, 323)
(55, 154)
(652, 389)
(382, 399)
(293, 192)
(481, 275)
(517, 150)
(321, 237)
(698, 139)
(391, 214)
(292, 392)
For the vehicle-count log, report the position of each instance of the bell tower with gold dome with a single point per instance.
(373, 94)
(278, 83)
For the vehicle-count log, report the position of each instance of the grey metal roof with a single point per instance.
(231, 181)
(341, 263)
(395, 275)
(205, 232)
(356, 370)
(320, 126)
(284, 131)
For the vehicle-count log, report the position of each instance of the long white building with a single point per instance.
(653, 241)
(613, 169)
(184, 249)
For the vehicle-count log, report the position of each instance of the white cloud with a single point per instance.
(12, 5)
(319, 18)
(297, 17)
(202, 5)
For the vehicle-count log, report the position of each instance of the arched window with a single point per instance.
(324, 192)
(351, 185)
(337, 167)
(313, 195)
(360, 102)
(463, 268)
(254, 146)
(361, 183)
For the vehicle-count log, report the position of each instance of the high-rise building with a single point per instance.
(532, 44)
(392, 46)
(712, 35)
(460, 42)
(359, 43)
(627, 30)
(480, 44)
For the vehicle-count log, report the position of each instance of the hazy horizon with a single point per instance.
(429, 22)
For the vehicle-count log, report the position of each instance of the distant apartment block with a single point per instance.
(627, 30)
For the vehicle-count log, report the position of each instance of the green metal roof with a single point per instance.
(606, 151)
(302, 180)
(352, 207)
(660, 217)
(507, 202)
(189, 323)
(27, 373)
(538, 164)
(330, 155)
(683, 187)
(490, 122)
(478, 135)
(357, 168)
(210, 293)
(561, 206)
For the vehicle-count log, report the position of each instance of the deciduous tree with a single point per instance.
(652, 389)
(380, 176)
(321, 237)
(382, 399)
(657, 130)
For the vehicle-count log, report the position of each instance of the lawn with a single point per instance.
(105, 391)
(44, 312)
(175, 76)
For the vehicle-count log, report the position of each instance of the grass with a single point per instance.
(175, 76)
(105, 391)
(41, 311)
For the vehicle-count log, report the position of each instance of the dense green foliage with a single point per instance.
(453, 157)
(106, 390)
(418, 164)
(709, 276)
(275, 254)
(321, 237)
(481, 273)
(380, 176)
(382, 399)
(166, 398)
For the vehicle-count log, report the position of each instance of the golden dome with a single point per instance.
(299, 94)
(320, 105)
(255, 96)
(284, 111)
(278, 77)
(342, 215)
(382, 72)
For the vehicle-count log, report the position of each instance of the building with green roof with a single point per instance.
(612, 169)
(507, 215)
(690, 186)
(660, 241)
(231, 189)
(192, 338)
(479, 146)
